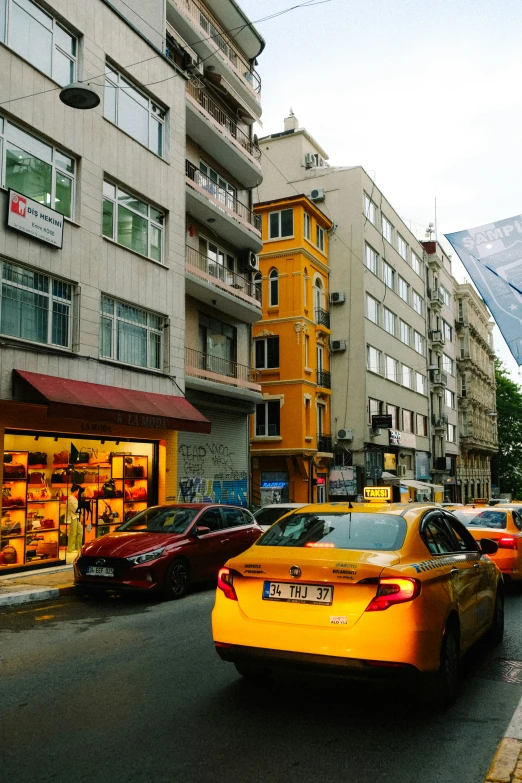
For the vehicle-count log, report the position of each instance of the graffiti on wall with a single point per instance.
(207, 475)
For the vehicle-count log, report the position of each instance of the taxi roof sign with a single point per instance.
(377, 493)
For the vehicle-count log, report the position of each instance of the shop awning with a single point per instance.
(419, 484)
(95, 402)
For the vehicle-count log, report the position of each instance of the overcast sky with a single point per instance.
(425, 95)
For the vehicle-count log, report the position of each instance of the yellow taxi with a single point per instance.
(366, 590)
(503, 524)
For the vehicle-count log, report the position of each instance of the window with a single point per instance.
(416, 263)
(36, 169)
(281, 224)
(307, 350)
(35, 307)
(319, 238)
(402, 247)
(387, 229)
(447, 331)
(446, 296)
(420, 382)
(235, 517)
(273, 288)
(258, 282)
(390, 321)
(407, 421)
(374, 409)
(416, 301)
(372, 309)
(404, 332)
(211, 519)
(131, 335)
(307, 226)
(305, 287)
(39, 39)
(438, 537)
(406, 376)
(371, 258)
(133, 112)
(447, 364)
(370, 209)
(392, 369)
(216, 185)
(134, 223)
(393, 411)
(267, 352)
(421, 424)
(449, 398)
(388, 274)
(268, 419)
(403, 289)
(217, 346)
(451, 433)
(373, 359)
(418, 342)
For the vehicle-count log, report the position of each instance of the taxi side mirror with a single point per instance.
(487, 546)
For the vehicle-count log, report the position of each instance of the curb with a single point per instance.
(507, 764)
(32, 595)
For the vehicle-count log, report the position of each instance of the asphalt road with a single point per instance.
(131, 691)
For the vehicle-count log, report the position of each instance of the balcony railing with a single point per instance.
(202, 17)
(198, 91)
(225, 197)
(324, 379)
(219, 370)
(324, 443)
(235, 282)
(439, 422)
(322, 317)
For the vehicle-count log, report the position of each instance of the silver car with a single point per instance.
(266, 516)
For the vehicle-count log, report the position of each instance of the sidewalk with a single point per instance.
(507, 764)
(36, 586)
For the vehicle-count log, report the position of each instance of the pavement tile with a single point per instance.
(509, 753)
(40, 586)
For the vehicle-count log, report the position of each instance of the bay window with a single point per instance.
(131, 335)
(132, 222)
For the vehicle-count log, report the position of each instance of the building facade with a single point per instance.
(291, 444)
(476, 394)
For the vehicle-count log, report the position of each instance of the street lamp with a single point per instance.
(79, 96)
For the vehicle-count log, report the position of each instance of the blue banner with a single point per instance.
(492, 255)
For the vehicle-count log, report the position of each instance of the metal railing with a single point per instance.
(197, 362)
(439, 422)
(222, 273)
(215, 32)
(199, 92)
(324, 379)
(324, 442)
(322, 317)
(227, 198)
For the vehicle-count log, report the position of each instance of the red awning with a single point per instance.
(94, 402)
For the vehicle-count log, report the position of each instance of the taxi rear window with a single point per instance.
(488, 518)
(350, 530)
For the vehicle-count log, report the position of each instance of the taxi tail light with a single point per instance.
(226, 583)
(507, 542)
(391, 590)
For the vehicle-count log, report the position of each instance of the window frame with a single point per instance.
(265, 365)
(406, 412)
(389, 315)
(273, 278)
(416, 302)
(387, 234)
(407, 328)
(402, 247)
(152, 223)
(409, 375)
(380, 404)
(371, 257)
(416, 261)
(424, 421)
(387, 269)
(447, 330)
(448, 364)
(369, 349)
(114, 318)
(279, 212)
(370, 209)
(394, 411)
(265, 405)
(416, 376)
(451, 394)
(389, 361)
(319, 237)
(307, 226)
(421, 341)
(370, 298)
(401, 284)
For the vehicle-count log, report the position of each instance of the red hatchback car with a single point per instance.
(166, 548)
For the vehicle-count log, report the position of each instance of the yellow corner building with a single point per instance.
(291, 442)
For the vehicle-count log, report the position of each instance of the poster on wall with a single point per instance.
(343, 482)
(274, 487)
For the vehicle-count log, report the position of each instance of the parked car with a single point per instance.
(503, 524)
(266, 516)
(166, 548)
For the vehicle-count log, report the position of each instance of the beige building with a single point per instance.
(476, 394)
(379, 359)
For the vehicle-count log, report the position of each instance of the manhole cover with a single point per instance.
(501, 670)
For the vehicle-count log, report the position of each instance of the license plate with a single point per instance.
(298, 593)
(99, 571)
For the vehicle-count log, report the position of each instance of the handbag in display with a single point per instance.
(8, 501)
(13, 470)
(48, 524)
(109, 489)
(41, 493)
(109, 515)
(139, 493)
(78, 476)
(62, 458)
(37, 458)
(47, 549)
(103, 457)
(9, 527)
(7, 457)
(90, 477)
(9, 555)
(134, 471)
(59, 477)
(36, 479)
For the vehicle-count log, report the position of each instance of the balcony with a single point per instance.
(221, 136)
(434, 262)
(324, 379)
(439, 378)
(207, 37)
(439, 421)
(322, 317)
(212, 371)
(435, 298)
(324, 443)
(230, 218)
(436, 337)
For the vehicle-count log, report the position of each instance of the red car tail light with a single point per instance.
(226, 583)
(391, 590)
(507, 542)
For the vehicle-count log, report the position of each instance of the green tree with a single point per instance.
(507, 464)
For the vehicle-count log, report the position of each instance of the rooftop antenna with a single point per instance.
(430, 230)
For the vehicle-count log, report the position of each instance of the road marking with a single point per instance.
(39, 609)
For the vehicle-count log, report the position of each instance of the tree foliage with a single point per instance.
(507, 464)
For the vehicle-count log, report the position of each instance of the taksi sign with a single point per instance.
(30, 217)
(377, 493)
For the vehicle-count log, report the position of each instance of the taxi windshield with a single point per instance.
(487, 518)
(350, 530)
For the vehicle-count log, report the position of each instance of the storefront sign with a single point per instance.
(92, 426)
(274, 487)
(395, 437)
(30, 217)
(377, 493)
(343, 482)
(382, 422)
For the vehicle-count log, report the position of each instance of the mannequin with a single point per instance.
(73, 520)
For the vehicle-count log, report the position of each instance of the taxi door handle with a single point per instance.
(476, 565)
(454, 571)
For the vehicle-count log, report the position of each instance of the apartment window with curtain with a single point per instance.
(393, 411)
(403, 289)
(404, 332)
(451, 433)
(217, 345)
(402, 247)
(372, 309)
(319, 238)
(446, 296)
(266, 352)
(449, 398)
(38, 38)
(390, 321)
(407, 421)
(373, 359)
(307, 226)
(131, 335)
(281, 224)
(35, 307)
(273, 288)
(406, 376)
(371, 259)
(132, 222)
(370, 209)
(258, 282)
(420, 383)
(133, 111)
(388, 275)
(392, 369)
(374, 408)
(447, 331)
(268, 419)
(416, 263)
(36, 169)
(387, 229)
(447, 364)
(416, 301)
(421, 424)
(418, 342)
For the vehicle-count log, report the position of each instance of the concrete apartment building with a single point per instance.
(379, 359)
(476, 394)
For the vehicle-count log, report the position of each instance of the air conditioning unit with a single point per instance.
(403, 470)
(309, 160)
(317, 194)
(337, 297)
(338, 345)
(344, 434)
(249, 261)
